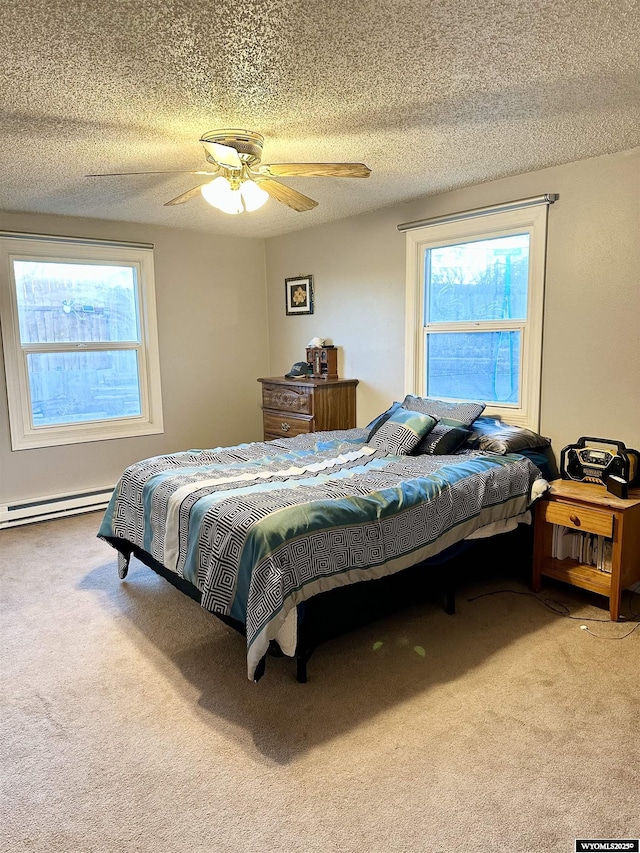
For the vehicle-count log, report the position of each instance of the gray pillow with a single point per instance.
(453, 414)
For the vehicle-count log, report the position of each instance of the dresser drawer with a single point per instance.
(287, 399)
(579, 517)
(285, 425)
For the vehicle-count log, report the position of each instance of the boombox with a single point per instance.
(588, 462)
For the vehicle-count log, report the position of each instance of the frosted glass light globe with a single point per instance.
(219, 194)
(253, 196)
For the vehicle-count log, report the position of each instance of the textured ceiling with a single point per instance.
(431, 95)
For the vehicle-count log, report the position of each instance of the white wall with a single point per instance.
(591, 350)
(215, 339)
(212, 330)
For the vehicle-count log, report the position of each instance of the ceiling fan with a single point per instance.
(241, 183)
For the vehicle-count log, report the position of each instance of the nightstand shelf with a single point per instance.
(577, 574)
(588, 508)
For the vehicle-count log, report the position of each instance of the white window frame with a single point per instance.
(531, 220)
(24, 434)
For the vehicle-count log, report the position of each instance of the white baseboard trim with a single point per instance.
(53, 506)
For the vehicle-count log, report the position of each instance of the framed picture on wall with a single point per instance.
(299, 294)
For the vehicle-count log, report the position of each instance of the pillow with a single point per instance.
(442, 440)
(402, 431)
(376, 423)
(493, 435)
(453, 414)
(453, 422)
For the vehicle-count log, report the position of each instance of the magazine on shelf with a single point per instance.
(588, 549)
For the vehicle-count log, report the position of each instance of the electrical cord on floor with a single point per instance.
(562, 610)
(600, 637)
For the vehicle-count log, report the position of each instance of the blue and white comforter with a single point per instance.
(258, 528)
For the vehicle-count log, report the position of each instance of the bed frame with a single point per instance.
(341, 609)
(332, 614)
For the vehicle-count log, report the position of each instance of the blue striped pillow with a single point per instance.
(376, 423)
(402, 431)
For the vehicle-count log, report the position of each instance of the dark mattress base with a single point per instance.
(347, 608)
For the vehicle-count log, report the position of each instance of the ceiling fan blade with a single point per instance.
(162, 172)
(180, 199)
(322, 170)
(224, 155)
(292, 198)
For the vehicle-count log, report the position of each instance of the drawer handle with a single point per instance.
(575, 520)
(285, 427)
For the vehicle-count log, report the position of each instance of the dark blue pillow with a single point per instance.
(443, 440)
(499, 437)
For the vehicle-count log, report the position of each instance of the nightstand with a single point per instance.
(294, 406)
(584, 509)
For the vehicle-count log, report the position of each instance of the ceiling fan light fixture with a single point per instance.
(241, 183)
(253, 196)
(220, 194)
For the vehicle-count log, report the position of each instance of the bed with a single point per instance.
(256, 530)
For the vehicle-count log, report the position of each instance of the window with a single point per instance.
(79, 339)
(475, 290)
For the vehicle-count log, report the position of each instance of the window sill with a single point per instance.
(78, 434)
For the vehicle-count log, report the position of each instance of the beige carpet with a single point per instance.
(128, 723)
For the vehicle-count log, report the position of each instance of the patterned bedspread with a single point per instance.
(257, 528)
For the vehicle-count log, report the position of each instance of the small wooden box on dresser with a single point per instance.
(589, 508)
(294, 406)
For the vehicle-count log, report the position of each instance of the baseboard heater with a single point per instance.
(55, 506)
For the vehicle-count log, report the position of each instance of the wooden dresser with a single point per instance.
(294, 406)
